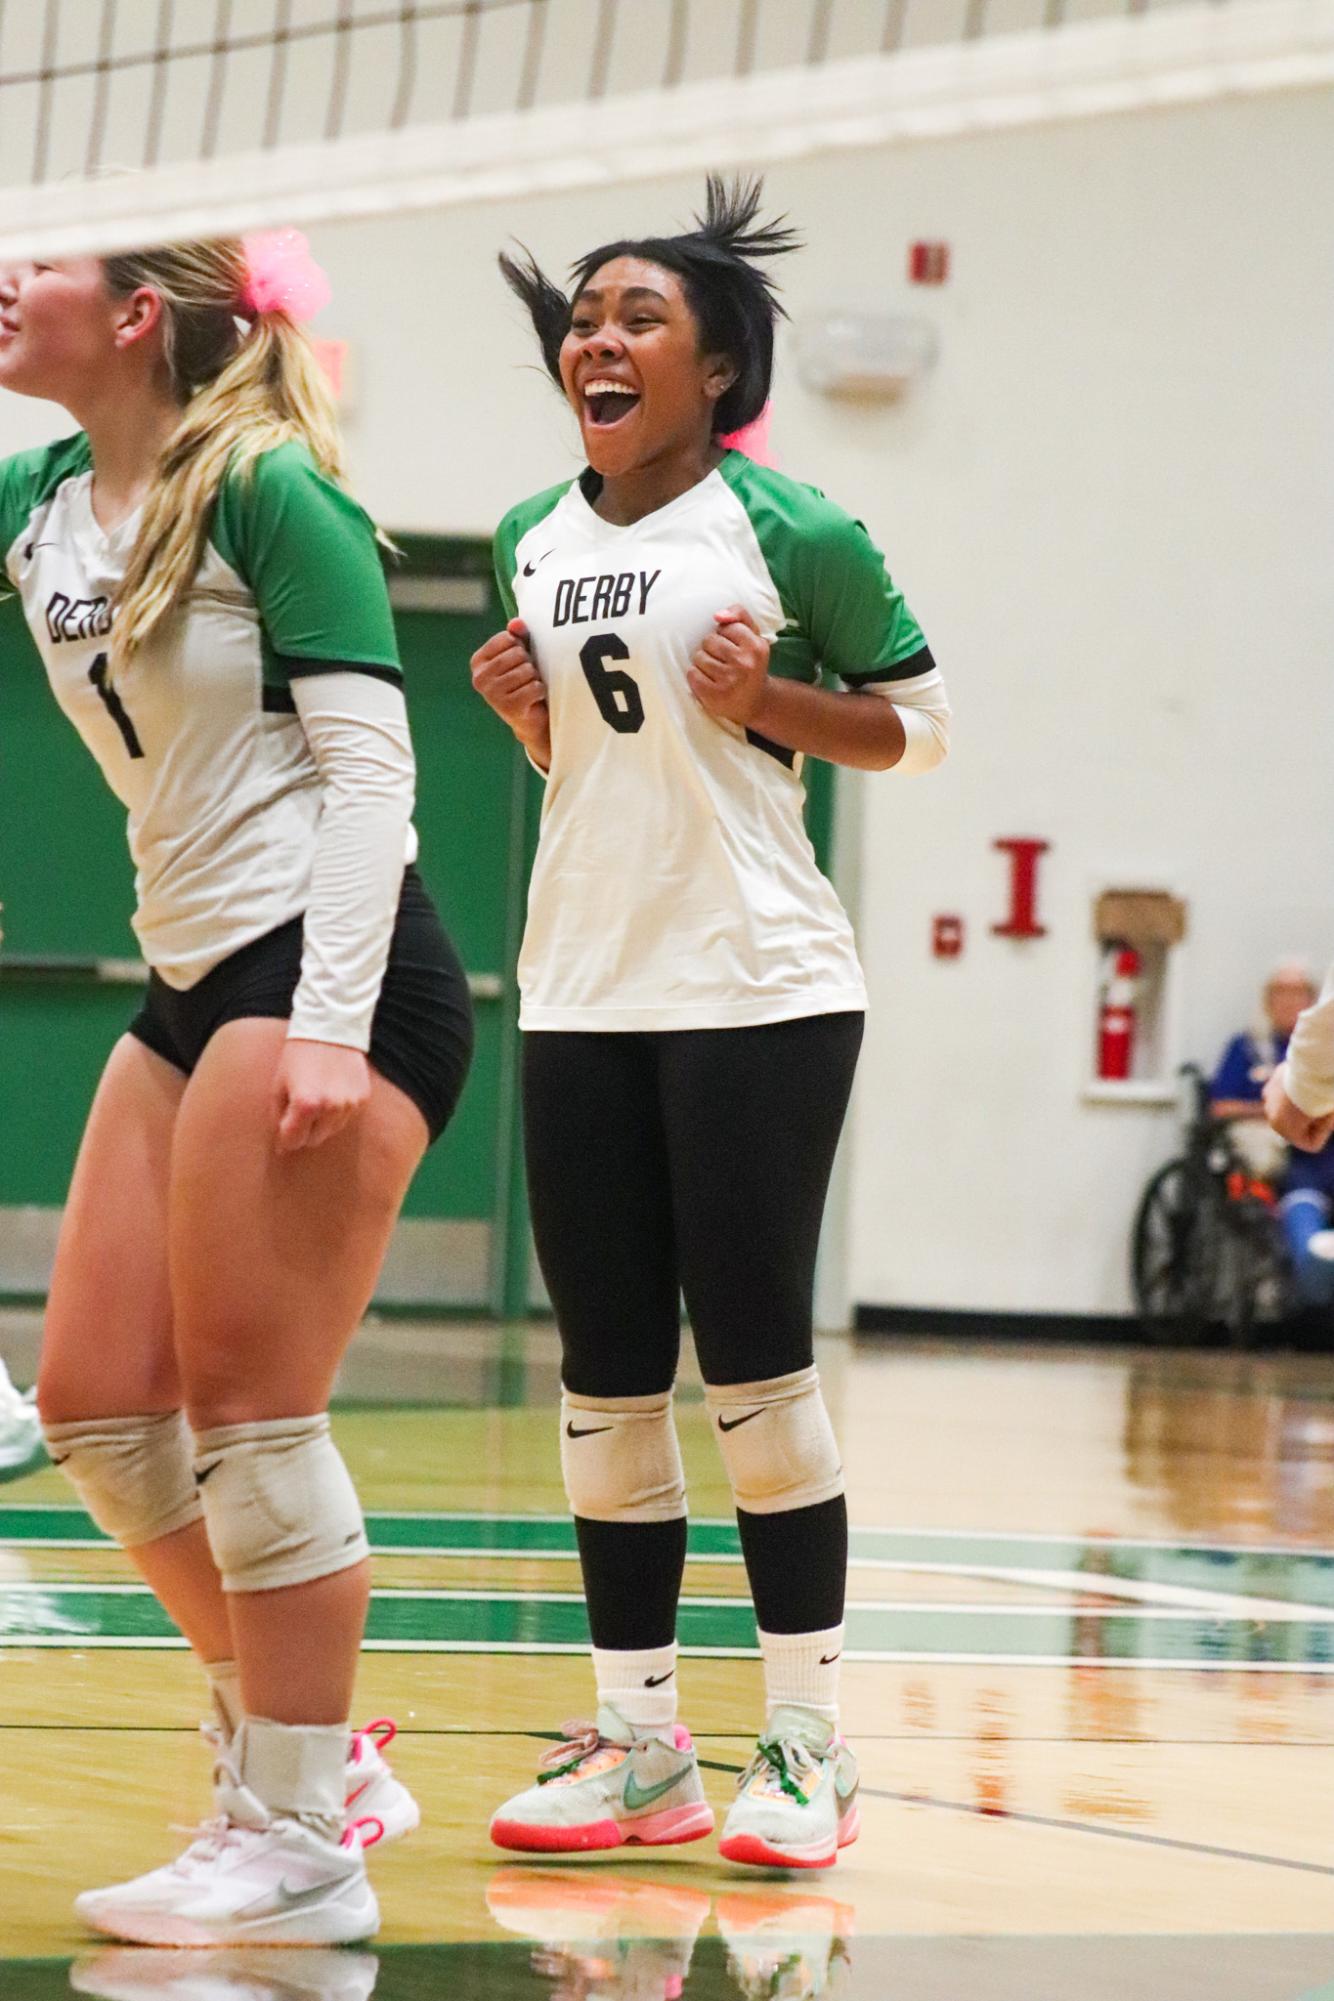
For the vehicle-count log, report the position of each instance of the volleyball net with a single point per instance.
(127, 121)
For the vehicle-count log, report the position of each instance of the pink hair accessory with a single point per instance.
(752, 439)
(283, 276)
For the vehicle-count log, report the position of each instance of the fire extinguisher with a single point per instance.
(1116, 1016)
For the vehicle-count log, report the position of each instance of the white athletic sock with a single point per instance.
(297, 1769)
(801, 1670)
(640, 1685)
(224, 1685)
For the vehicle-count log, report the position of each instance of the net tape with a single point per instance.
(232, 114)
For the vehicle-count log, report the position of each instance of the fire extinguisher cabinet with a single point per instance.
(1135, 1013)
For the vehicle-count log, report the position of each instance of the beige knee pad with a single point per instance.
(777, 1442)
(279, 1503)
(621, 1459)
(133, 1474)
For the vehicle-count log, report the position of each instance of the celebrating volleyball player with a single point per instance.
(692, 1000)
(212, 613)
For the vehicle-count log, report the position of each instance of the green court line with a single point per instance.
(1300, 1576)
(554, 1622)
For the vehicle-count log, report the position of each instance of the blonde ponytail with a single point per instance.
(246, 388)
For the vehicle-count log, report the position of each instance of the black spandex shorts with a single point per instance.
(421, 1032)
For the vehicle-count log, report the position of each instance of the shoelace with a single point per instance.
(207, 1842)
(379, 1735)
(778, 1756)
(578, 1741)
(358, 1833)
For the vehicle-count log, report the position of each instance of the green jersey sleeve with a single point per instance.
(844, 613)
(308, 554)
(29, 479)
(504, 548)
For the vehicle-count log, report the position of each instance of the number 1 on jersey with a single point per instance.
(114, 706)
(611, 686)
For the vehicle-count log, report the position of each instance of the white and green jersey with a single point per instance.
(199, 737)
(675, 885)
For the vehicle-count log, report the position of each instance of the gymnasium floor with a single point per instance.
(1089, 1682)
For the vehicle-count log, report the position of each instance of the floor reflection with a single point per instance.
(772, 1942)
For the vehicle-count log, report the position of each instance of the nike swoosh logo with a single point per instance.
(827, 1660)
(530, 569)
(588, 1431)
(636, 1795)
(283, 1898)
(656, 1680)
(202, 1472)
(723, 1425)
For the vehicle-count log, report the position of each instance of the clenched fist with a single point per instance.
(506, 678)
(728, 674)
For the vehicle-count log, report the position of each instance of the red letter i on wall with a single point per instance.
(1022, 921)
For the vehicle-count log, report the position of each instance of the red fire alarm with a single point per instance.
(928, 263)
(947, 937)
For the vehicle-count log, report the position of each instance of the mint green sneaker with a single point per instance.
(796, 1802)
(604, 1785)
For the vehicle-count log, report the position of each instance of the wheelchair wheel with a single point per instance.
(1204, 1262)
(1174, 1254)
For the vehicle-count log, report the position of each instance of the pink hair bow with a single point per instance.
(283, 276)
(752, 439)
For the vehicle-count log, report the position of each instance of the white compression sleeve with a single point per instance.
(1309, 1068)
(924, 710)
(357, 729)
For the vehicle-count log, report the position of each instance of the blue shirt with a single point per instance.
(1246, 1066)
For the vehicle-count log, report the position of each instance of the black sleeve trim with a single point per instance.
(771, 749)
(298, 669)
(922, 662)
(277, 701)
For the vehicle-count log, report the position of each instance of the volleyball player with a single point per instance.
(692, 1000)
(212, 614)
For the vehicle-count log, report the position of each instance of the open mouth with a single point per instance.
(608, 403)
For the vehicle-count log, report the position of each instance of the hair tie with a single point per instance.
(283, 277)
(752, 438)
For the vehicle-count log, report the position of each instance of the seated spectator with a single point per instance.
(1305, 1181)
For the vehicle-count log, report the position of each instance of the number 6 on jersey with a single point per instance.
(611, 686)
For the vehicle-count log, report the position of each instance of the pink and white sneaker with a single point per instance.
(607, 1784)
(247, 1878)
(374, 1795)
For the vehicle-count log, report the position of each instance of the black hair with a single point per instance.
(719, 263)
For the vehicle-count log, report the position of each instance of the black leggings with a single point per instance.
(695, 1161)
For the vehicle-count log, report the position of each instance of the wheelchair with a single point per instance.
(1208, 1257)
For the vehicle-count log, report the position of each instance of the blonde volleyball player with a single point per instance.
(692, 1000)
(211, 611)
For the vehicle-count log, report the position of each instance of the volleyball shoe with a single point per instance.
(376, 1795)
(796, 1802)
(247, 1878)
(21, 1447)
(605, 1784)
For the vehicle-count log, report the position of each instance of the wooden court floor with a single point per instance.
(1090, 1680)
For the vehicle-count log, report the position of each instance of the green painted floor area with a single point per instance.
(549, 1622)
(1187, 1606)
(1299, 1577)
